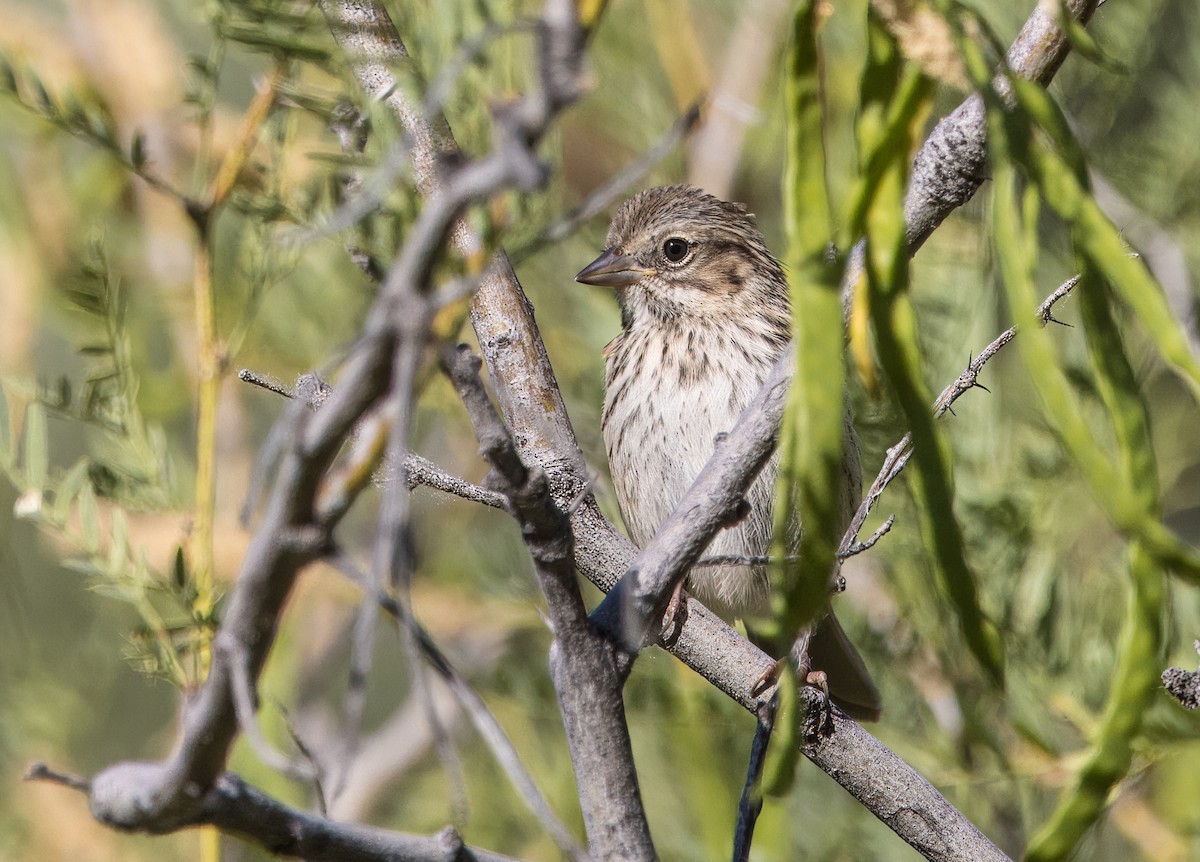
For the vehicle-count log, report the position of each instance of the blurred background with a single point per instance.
(98, 367)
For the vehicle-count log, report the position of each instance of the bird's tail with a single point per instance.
(850, 683)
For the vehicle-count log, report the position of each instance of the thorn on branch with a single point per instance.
(859, 547)
(41, 772)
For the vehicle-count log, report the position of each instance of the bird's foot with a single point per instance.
(674, 617)
(814, 679)
(824, 727)
(769, 678)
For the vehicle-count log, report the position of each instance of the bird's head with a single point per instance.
(675, 251)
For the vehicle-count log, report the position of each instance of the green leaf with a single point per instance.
(809, 222)
(89, 520)
(42, 99)
(179, 574)
(6, 447)
(1084, 44)
(1061, 179)
(287, 44)
(783, 751)
(137, 151)
(118, 551)
(1117, 384)
(810, 489)
(8, 75)
(898, 101)
(37, 446)
(87, 300)
(68, 488)
(90, 568)
(74, 114)
(1134, 683)
(101, 125)
(1128, 492)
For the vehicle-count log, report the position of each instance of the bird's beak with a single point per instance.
(613, 270)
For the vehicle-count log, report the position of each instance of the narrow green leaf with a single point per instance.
(1015, 244)
(1061, 177)
(1134, 682)
(137, 151)
(783, 751)
(6, 447)
(91, 569)
(1101, 241)
(806, 198)
(101, 125)
(87, 300)
(37, 446)
(812, 438)
(141, 567)
(41, 95)
(1133, 508)
(8, 75)
(89, 520)
(1117, 384)
(99, 375)
(273, 42)
(179, 575)
(108, 589)
(890, 310)
(1083, 43)
(118, 551)
(74, 114)
(68, 488)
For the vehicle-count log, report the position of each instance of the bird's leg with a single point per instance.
(804, 671)
(816, 679)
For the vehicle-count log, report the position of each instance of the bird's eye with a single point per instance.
(675, 249)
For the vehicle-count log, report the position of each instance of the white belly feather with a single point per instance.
(660, 428)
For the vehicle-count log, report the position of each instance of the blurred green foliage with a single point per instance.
(110, 90)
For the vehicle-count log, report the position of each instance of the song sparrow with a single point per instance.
(705, 313)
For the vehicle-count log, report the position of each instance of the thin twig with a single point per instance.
(418, 471)
(615, 188)
(318, 785)
(750, 803)
(41, 772)
(898, 455)
(245, 705)
(354, 703)
(859, 547)
(477, 710)
(424, 472)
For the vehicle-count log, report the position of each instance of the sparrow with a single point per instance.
(705, 314)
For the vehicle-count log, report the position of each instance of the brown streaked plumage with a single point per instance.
(705, 313)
